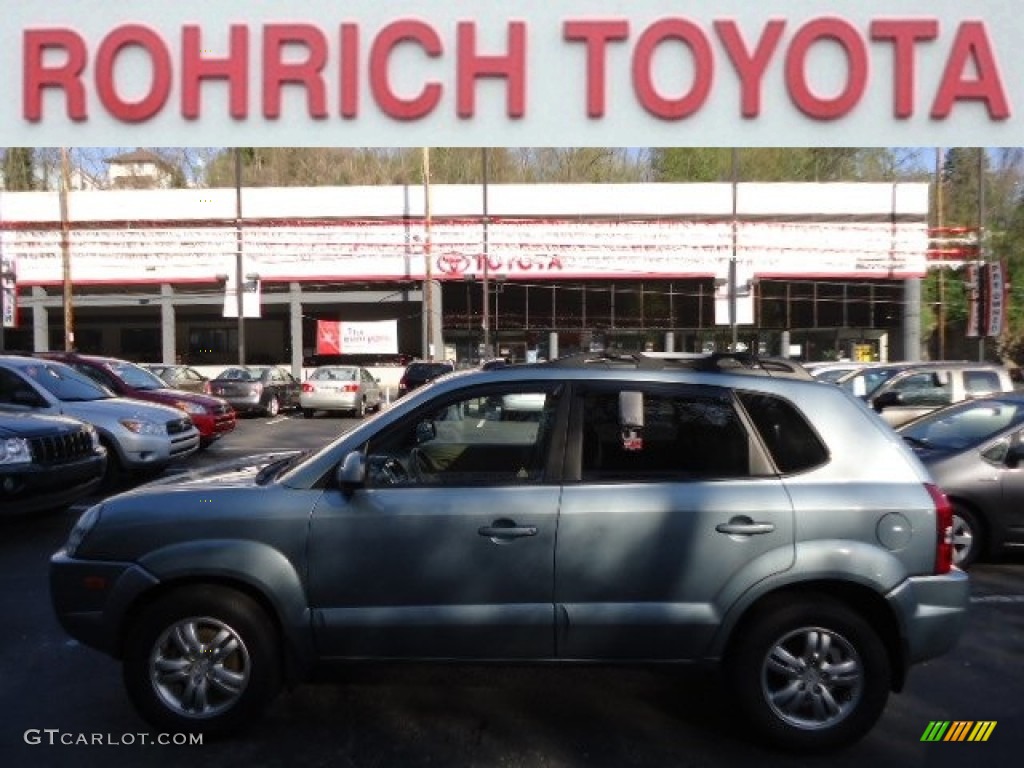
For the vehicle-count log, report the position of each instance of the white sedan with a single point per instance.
(340, 388)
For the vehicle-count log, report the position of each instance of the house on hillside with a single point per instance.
(140, 169)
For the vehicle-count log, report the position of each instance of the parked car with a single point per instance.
(266, 389)
(180, 377)
(835, 370)
(655, 513)
(46, 462)
(140, 437)
(903, 391)
(419, 373)
(340, 388)
(213, 416)
(974, 451)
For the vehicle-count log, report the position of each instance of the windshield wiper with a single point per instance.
(919, 442)
(275, 468)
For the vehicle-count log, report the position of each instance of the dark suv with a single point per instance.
(419, 373)
(47, 462)
(213, 416)
(638, 510)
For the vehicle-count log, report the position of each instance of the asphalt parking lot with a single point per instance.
(55, 693)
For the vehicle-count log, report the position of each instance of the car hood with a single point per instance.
(34, 425)
(115, 408)
(169, 396)
(233, 473)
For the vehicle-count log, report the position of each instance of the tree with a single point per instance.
(19, 169)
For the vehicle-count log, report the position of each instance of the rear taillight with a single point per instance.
(207, 389)
(351, 387)
(943, 530)
(307, 387)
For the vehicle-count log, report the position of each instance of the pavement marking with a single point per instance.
(279, 420)
(998, 599)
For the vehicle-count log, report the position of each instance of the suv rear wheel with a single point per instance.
(202, 659)
(810, 673)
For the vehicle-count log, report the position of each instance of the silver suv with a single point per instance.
(645, 511)
(139, 437)
(900, 392)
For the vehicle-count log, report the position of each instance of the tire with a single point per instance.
(273, 407)
(114, 474)
(783, 670)
(307, 413)
(360, 411)
(235, 677)
(968, 537)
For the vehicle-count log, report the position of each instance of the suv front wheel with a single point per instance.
(810, 673)
(201, 659)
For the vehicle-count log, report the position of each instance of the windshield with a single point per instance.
(427, 370)
(65, 383)
(864, 383)
(235, 374)
(334, 374)
(136, 377)
(966, 425)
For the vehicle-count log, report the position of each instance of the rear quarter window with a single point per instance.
(793, 443)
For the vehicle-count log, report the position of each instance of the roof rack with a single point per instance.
(716, 362)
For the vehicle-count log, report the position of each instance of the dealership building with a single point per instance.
(468, 271)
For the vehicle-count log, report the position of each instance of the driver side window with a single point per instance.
(492, 438)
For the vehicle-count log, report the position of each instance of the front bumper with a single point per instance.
(933, 613)
(31, 488)
(91, 598)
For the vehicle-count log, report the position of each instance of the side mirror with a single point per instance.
(1014, 455)
(425, 432)
(351, 474)
(887, 400)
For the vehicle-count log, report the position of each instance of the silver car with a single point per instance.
(648, 511)
(139, 437)
(348, 388)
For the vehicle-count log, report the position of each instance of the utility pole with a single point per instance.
(732, 258)
(982, 256)
(239, 255)
(65, 249)
(428, 285)
(486, 320)
(942, 270)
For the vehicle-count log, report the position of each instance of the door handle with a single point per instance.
(507, 531)
(744, 528)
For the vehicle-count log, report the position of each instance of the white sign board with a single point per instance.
(493, 73)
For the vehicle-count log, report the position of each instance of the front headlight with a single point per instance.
(15, 450)
(190, 407)
(85, 524)
(141, 427)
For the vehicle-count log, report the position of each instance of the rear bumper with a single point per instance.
(933, 612)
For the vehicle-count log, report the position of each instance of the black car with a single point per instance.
(266, 389)
(975, 452)
(419, 373)
(47, 462)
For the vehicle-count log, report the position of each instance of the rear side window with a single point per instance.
(981, 382)
(685, 435)
(792, 442)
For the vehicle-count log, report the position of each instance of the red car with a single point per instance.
(213, 416)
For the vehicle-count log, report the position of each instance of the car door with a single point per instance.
(666, 518)
(447, 551)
